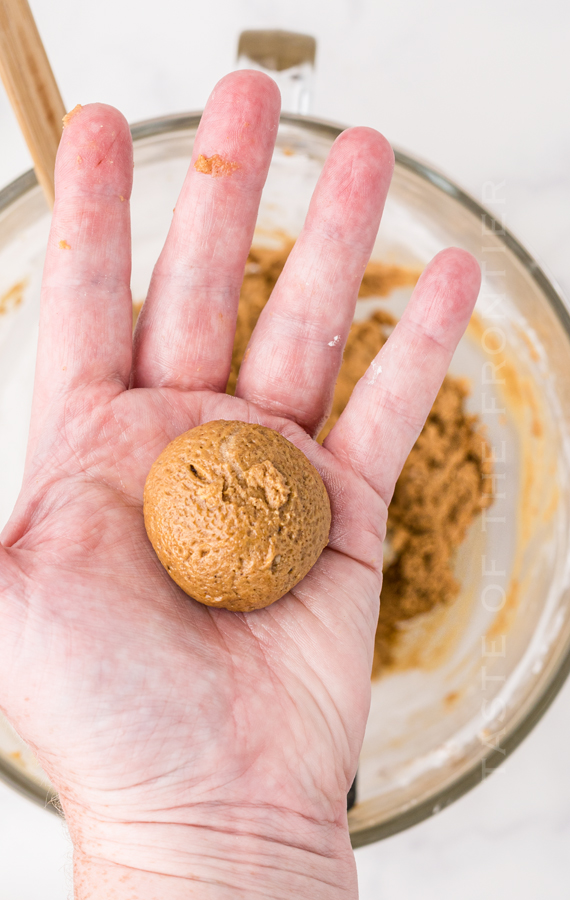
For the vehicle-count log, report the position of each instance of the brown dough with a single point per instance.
(215, 165)
(444, 485)
(236, 514)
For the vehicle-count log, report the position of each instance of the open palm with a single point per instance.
(142, 705)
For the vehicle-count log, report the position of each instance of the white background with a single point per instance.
(480, 90)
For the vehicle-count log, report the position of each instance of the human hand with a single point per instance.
(199, 752)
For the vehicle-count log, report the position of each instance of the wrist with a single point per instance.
(245, 852)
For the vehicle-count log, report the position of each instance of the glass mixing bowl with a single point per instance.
(470, 679)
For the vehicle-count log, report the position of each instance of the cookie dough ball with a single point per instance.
(236, 514)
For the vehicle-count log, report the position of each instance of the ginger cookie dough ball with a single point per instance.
(236, 514)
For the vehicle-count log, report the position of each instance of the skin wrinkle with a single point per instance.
(10, 564)
(103, 154)
(315, 301)
(322, 281)
(169, 376)
(204, 222)
(390, 401)
(293, 366)
(306, 590)
(115, 460)
(272, 673)
(348, 458)
(324, 689)
(19, 626)
(202, 280)
(220, 245)
(37, 523)
(82, 228)
(348, 461)
(67, 422)
(91, 538)
(308, 332)
(375, 571)
(274, 376)
(263, 865)
(366, 625)
(337, 239)
(99, 427)
(72, 358)
(271, 669)
(35, 510)
(269, 660)
(133, 501)
(298, 625)
(216, 881)
(271, 840)
(221, 637)
(373, 521)
(374, 566)
(119, 459)
(285, 409)
(425, 335)
(106, 191)
(66, 395)
(166, 395)
(225, 809)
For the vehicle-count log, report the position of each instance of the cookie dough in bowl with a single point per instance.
(236, 514)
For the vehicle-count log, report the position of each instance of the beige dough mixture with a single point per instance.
(236, 514)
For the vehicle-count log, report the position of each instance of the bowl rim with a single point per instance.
(461, 784)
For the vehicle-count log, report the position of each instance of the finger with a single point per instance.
(86, 307)
(391, 402)
(296, 349)
(185, 334)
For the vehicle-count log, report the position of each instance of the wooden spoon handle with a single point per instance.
(31, 88)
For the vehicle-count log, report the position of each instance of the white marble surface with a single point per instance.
(479, 90)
